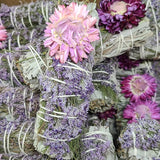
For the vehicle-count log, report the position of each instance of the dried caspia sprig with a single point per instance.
(18, 104)
(141, 140)
(16, 137)
(97, 144)
(64, 104)
(20, 38)
(35, 156)
(9, 72)
(114, 45)
(27, 15)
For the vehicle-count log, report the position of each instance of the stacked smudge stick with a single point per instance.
(80, 81)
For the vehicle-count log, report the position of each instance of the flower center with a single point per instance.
(118, 7)
(138, 85)
(70, 30)
(142, 111)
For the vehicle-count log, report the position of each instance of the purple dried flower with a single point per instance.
(147, 134)
(126, 63)
(117, 15)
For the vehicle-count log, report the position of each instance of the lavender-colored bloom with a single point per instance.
(18, 103)
(14, 134)
(147, 135)
(96, 143)
(65, 93)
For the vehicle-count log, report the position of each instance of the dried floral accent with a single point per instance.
(107, 114)
(65, 93)
(139, 87)
(34, 156)
(141, 109)
(126, 63)
(117, 15)
(115, 45)
(16, 137)
(141, 140)
(27, 15)
(97, 144)
(18, 103)
(3, 35)
(70, 33)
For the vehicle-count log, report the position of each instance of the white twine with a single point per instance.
(132, 40)
(8, 99)
(8, 139)
(24, 157)
(29, 16)
(10, 66)
(30, 104)
(14, 13)
(123, 41)
(9, 41)
(24, 101)
(12, 72)
(36, 59)
(23, 141)
(95, 132)
(54, 79)
(148, 66)
(51, 115)
(10, 158)
(31, 35)
(19, 137)
(22, 20)
(42, 118)
(47, 15)
(11, 18)
(142, 55)
(12, 108)
(93, 149)
(4, 138)
(94, 138)
(38, 56)
(52, 139)
(42, 9)
(156, 26)
(134, 142)
(18, 40)
(74, 66)
(66, 96)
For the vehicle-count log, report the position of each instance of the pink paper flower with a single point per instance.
(70, 33)
(140, 110)
(139, 87)
(116, 15)
(3, 35)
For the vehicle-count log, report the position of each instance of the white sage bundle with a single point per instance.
(114, 45)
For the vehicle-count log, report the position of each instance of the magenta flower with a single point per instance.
(3, 35)
(139, 87)
(116, 15)
(142, 109)
(71, 32)
(126, 63)
(107, 114)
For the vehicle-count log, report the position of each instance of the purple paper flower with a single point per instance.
(126, 63)
(117, 15)
(139, 87)
(141, 109)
